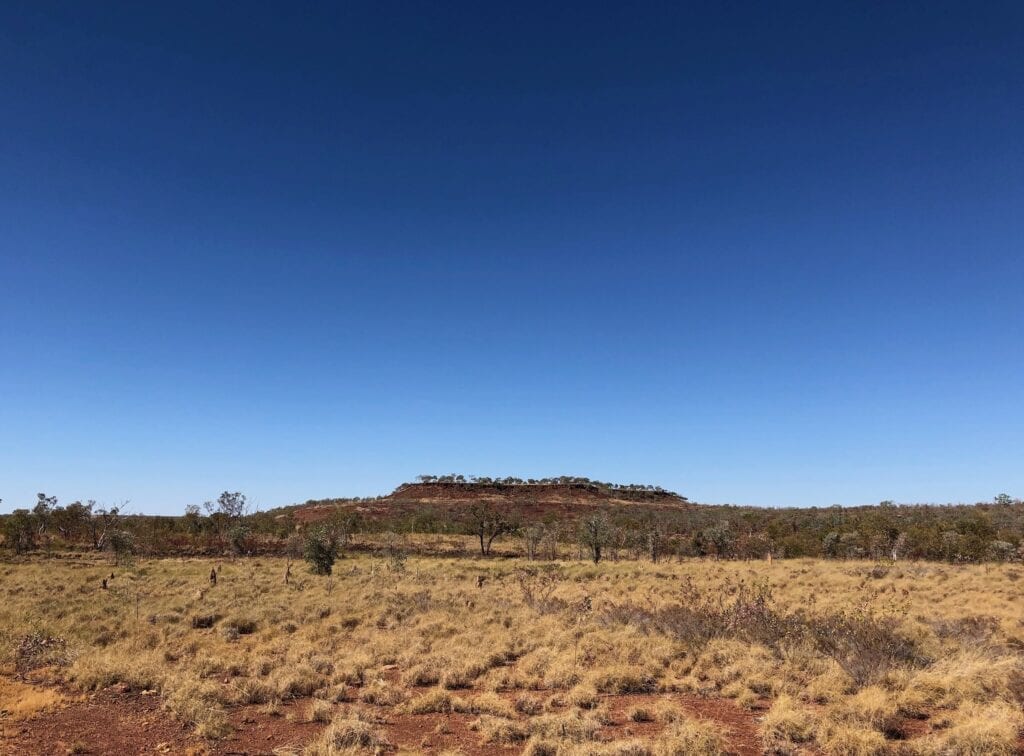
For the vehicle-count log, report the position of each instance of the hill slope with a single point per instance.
(529, 501)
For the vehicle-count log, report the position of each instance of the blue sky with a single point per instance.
(757, 253)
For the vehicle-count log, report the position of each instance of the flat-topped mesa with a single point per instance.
(567, 491)
(561, 498)
(616, 490)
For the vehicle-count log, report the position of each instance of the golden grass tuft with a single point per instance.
(435, 701)
(19, 700)
(346, 735)
(499, 730)
(852, 740)
(978, 730)
(785, 725)
(320, 711)
(690, 737)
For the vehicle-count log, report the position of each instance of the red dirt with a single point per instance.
(115, 723)
(433, 733)
(739, 726)
(106, 723)
(119, 723)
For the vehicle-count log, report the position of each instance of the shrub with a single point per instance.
(19, 531)
(242, 625)
(38, 649)
(121, 544)
(864, 645)
(640, 714)
(204, 621)
(321, 550)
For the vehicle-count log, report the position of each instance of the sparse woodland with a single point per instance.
(983, 532)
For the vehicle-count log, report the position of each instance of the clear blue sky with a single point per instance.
(765, 253)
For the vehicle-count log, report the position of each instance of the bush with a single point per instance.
(238, 538)
(242, 625)
(321, 551)
(38, 650)
(204, 621)
(19, 531)
(864, 643)
(122, 545)
(640, 714)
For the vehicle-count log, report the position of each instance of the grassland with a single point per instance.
(416, 655)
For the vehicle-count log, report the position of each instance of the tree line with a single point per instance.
(991, 531)
(561, 480)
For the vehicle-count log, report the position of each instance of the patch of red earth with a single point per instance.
(914, 728)
(105, 723)
(432, 733)
(738, 726)
(116, 722)
(256, 732)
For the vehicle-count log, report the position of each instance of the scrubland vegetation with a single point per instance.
(630, 521)
(691, 656)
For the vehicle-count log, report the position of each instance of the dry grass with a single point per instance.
(691, 737)
(19, 700)
(347, 735)
(841, 658)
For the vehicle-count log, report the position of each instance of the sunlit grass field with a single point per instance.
(832, 657)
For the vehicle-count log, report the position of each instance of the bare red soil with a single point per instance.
(108, 722)
(115, 722)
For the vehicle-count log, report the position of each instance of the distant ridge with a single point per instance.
(534, 499)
